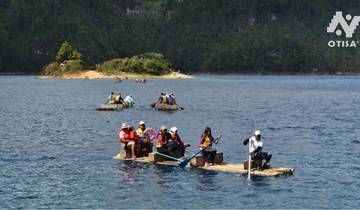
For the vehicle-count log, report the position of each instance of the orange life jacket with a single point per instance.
(162, 139)
(129, 135)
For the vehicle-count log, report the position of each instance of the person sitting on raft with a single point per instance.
(166, 98)
(110, 99)
(162, 98)
(256, 146)
(163, 143)
(171, 99)
(206, 141)
(128, 138)
(141, 129)
(118, 99)
(146, 143)
(180, 145)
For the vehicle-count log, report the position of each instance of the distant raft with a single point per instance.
(220, 166)
(110, 107)
(166, 107)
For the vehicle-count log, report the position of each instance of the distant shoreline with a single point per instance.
(17, 74)
(147, 76)
(92, 74)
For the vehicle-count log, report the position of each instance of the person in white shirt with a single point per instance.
(256, 146)
(129, 101)
(110, 99)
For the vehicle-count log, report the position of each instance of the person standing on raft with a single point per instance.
(128, 137)
(206, 141)
(256, 152)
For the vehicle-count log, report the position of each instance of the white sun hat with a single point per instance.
(173, 130)
(124, 125)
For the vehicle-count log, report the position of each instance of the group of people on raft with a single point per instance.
(118, 99)
(169, 142)
(167, 98)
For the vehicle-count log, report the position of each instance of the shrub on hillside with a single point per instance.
(52, 69)
(56, 69)
(136, 64)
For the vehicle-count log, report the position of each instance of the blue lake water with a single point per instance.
(56, 150)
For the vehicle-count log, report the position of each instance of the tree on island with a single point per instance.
(67, 60)
(67, 52)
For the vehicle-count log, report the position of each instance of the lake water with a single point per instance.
(56, 150)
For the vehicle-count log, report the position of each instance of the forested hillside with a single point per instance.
(243, 36)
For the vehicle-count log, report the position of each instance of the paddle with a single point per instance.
(153, 104)
(191, 153)
(249, 160)
(183, 163)
(170, 157)
(186, 161)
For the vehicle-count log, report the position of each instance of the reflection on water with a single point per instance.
(129, 170)
(206, 180)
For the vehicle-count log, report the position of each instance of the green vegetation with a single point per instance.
(68, 60)
(242, 36)
(150, 63)
(52, 69)
(66, 52)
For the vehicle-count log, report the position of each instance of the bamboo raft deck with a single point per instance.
(221, 167)
(166, 107)
(110, 107)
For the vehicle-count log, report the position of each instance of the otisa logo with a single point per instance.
(347, 28)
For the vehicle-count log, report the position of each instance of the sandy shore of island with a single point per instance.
(91, 74)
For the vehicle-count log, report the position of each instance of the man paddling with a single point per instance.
(256, 146)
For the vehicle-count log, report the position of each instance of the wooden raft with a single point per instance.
(110, 107)
(166, 107)
(220, 167)
(239, 168)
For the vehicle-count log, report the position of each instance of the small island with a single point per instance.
(68, 64)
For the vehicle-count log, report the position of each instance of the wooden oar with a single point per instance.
(185, 162)
(153, 104)
(249, 164)
(170, 157)
(191, 153)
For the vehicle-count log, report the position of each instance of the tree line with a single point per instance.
(237, 36)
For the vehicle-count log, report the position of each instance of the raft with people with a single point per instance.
(166, 102)
(137, 145)
(115, 102)
(219, 167)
